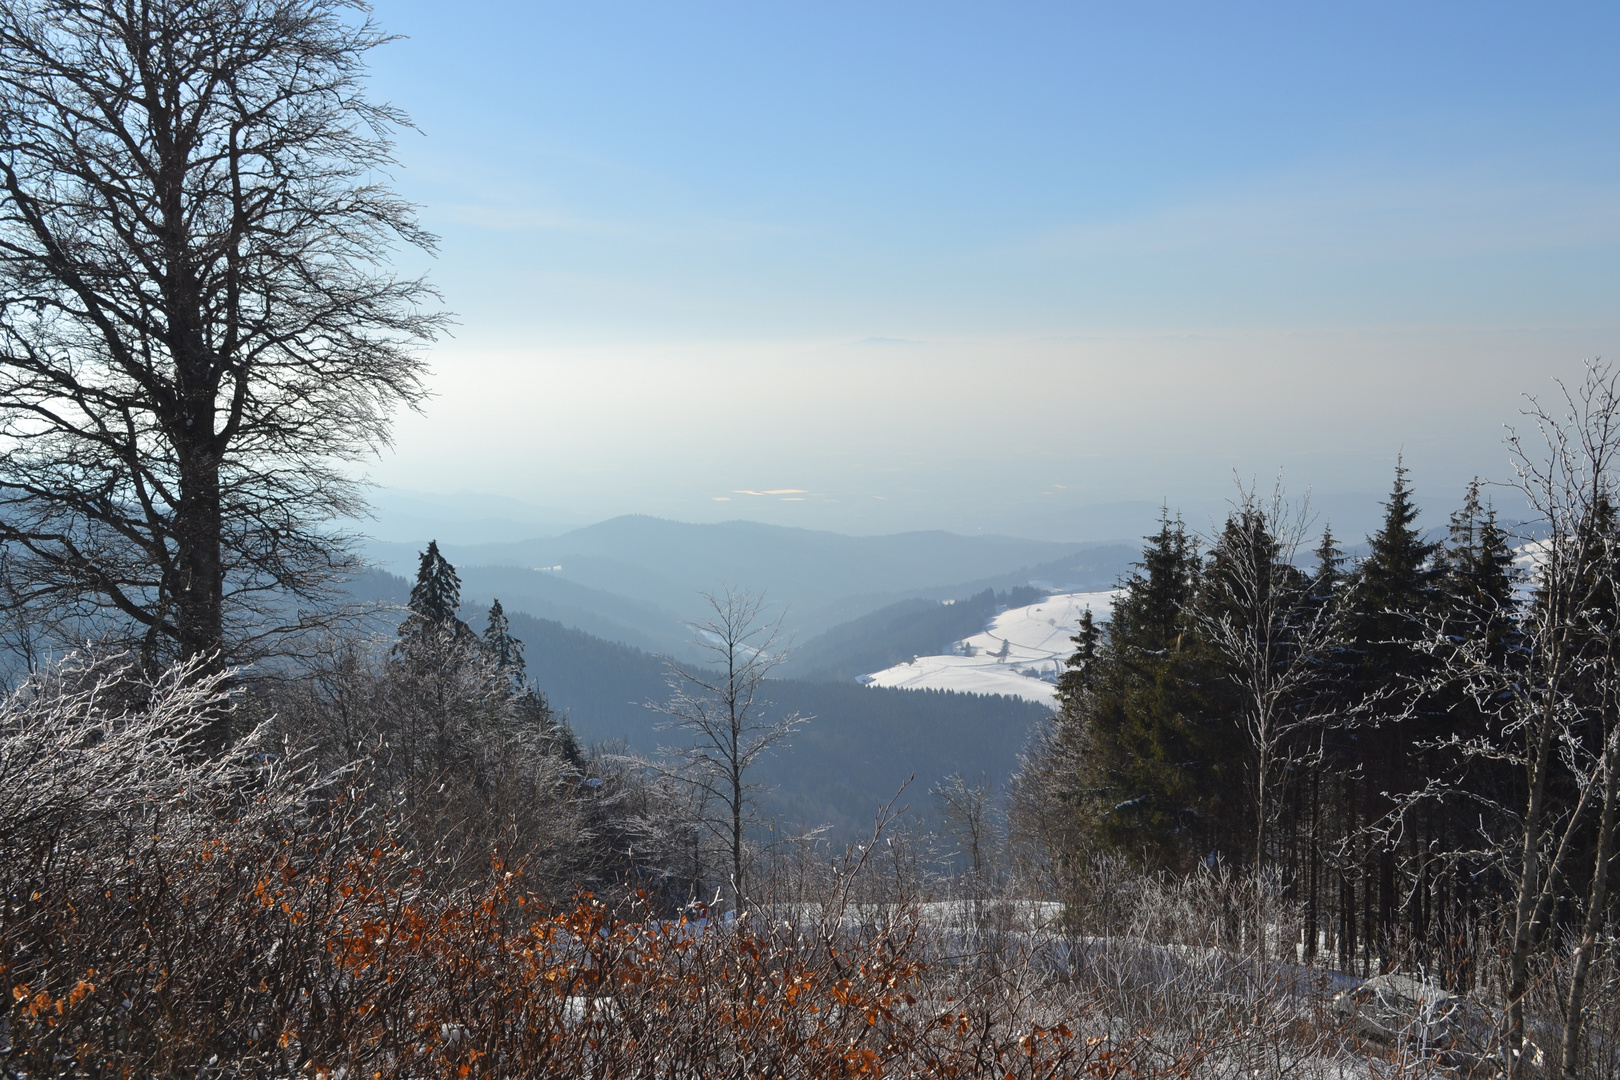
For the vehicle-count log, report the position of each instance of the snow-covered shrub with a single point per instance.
(168, 914)
(467, 763)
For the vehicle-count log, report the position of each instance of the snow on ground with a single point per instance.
(1021, 653)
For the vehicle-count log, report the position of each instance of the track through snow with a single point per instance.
(1021, 653)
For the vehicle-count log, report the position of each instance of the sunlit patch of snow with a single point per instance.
(1021, 653)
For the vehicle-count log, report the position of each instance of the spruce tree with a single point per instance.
(1154, 772)
(1478, 576)
(1391, 599)
(1329, 587)
(431, 623)
(1329, 565)
(1332, 759)
(1079, 671)
(1394, 584)
(504, 650)
(1147, 617)
(436, 596)
(1477, 619)
(473, 691)
(1392, 593)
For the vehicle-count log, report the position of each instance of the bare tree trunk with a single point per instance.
(1525, 902)
(737, 892)
(1313, 872)
(199, 527)
(1262, 794)
(722, 710)
(1596, 909)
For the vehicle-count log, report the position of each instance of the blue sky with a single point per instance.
(983, 266)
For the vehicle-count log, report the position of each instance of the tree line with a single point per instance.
(1419, 745)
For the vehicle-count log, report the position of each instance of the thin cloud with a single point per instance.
(527, 218)
(1365, 214)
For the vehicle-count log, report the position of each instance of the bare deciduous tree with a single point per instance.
(968, 812)
(1551, 709)
(720, 706)
(1563, 717)
(195, 325)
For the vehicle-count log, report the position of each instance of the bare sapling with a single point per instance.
(720, 706)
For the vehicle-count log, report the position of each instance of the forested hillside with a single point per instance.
(859, 750)
(861, 746)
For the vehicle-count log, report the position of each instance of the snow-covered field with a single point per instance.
(1021, 653)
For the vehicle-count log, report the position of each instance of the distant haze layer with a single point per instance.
(877, 268)
(1033, 439)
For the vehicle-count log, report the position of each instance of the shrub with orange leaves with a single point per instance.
(298, 967)
(168, 916)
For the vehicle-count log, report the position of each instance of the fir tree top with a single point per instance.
(1329, 562)
(1394, 591)
(1479, 576)
(500, 646)
(1476, 551)
(1080, 669)
(1396, 569)
(436, 596)
(1148, 612)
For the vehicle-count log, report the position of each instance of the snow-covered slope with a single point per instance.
(1021, 653)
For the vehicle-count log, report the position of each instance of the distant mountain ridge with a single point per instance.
(461, 517)
(815, 566)
(635, 579)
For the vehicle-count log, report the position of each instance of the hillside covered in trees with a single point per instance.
(863, 745)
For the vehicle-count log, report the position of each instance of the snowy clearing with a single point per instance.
(1021, 653)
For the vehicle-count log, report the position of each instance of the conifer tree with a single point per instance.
(504, 650)
(1329, 565)
(533, 713)
(1391, 597)
(1473, 621)
(1147, 617)
(1393, 587)
(1316, 795)
(1478, 576)
(1079, 671)
(1154, 772)
(1053, 797)
(472, 710)
(436, 596)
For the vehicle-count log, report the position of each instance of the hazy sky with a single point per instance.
(887, 265)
